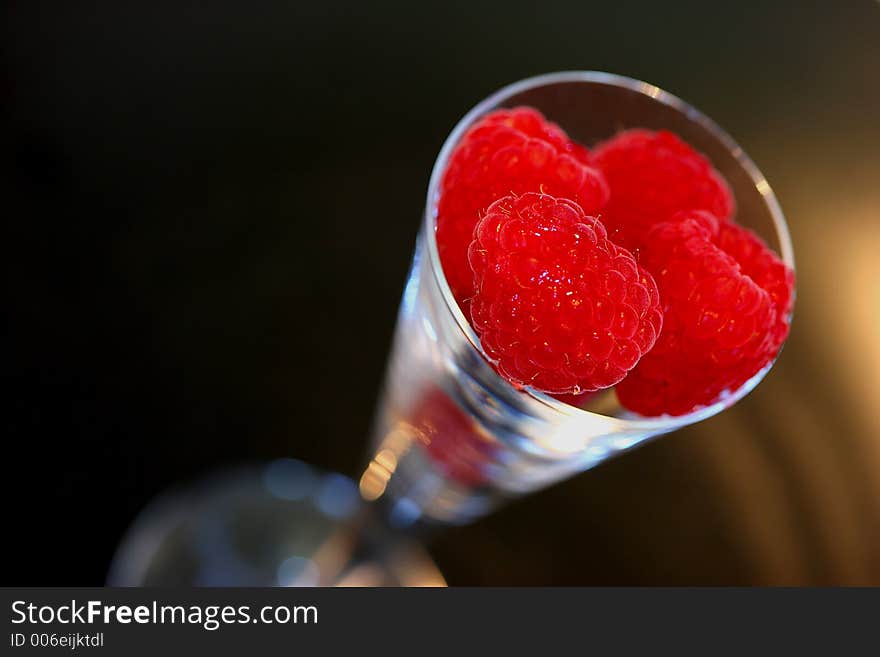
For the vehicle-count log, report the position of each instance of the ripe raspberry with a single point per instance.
(765, 268)
(532, 123)
(557, 306)
(451, 439)
(506, 152)
(724, 319)
(653, 175)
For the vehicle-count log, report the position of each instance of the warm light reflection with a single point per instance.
(387, 459)
(651, 90)
(373, 481)
(375, 478)
(363, 575)
(841, 304)
(857, 316)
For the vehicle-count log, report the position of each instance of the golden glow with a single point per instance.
(651, 90)
(363, 575)
(845, 311)
(373, 481)
(857, 316)
(387, 459)
(375, 478)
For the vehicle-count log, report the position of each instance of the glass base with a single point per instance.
(281, 524)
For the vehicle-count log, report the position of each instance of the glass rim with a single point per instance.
(636, 422)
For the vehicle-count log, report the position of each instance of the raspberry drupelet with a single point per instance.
(557, 306)
(506, 152)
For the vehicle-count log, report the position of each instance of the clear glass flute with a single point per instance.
(452, 439)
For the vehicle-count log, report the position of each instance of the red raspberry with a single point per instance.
(727, 301)
(532, 123)
(765, 268)
(506, 152)
(653, 175)
(451, 439)
(557, 306)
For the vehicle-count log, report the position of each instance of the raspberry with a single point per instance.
(557, 306)
(765, 268)
(451, 439)
(532, 123)
(727, 301)
(652, 176)
(506, 152)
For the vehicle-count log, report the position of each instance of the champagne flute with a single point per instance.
(452, 439)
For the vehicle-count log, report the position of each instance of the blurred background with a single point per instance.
(210, 210)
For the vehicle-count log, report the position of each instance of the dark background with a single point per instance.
(209, 211)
